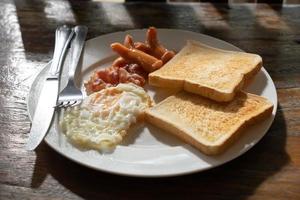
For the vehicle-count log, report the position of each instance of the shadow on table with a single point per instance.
(237, 179)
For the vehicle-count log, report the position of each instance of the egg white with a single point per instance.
(103, 118)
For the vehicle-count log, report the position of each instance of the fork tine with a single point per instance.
(62, 105)
(65, 105)
(68, 104)
(72, 104)
(58, 105)
(78, 103)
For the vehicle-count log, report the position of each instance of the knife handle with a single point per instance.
(76, 49)
(63, 37)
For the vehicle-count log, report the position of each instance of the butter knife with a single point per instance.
(47, 100)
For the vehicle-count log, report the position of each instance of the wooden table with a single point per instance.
(271, 170)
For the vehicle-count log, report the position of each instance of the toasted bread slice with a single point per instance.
(214, 73)
(208, 125)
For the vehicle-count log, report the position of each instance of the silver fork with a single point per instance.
(71, 95)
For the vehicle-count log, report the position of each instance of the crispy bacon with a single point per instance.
(126, 77)
(135, 69)
(112, 76)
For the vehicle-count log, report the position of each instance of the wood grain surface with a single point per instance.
(270, 170)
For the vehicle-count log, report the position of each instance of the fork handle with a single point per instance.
(76, 50)
(63, 37)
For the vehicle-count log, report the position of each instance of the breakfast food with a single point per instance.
(104, 117)
(149, 63)
(136, 60)
(153, 47)
(213, 73)
(205, 124)
(210, 119)
(112, 76)
(151, 55)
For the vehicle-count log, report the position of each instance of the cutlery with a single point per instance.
(47, 100)
(71, 95)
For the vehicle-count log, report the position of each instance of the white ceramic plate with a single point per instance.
(148, 151)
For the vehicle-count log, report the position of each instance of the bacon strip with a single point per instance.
(112, 76)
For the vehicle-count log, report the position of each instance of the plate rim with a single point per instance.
(157, 175)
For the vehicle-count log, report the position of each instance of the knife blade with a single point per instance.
(45, 108)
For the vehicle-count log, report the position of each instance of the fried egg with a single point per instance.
(104, 117)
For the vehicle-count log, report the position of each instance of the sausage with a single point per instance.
(157, 50)
(148, 62)
(128, 41)
(168, 55)
(142, 47)
(119, 62)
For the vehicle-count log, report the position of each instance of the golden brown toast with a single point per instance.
(208, 125)
(214, 73)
